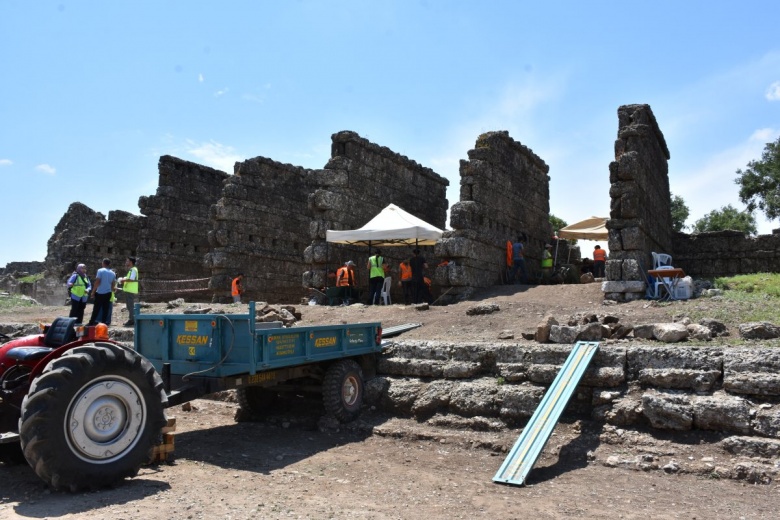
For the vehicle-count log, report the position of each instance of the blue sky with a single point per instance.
(93, 92)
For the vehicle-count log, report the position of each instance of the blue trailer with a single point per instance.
(90, 410)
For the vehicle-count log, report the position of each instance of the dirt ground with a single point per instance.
(294, 464)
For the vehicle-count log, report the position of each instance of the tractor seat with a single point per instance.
(60, 332)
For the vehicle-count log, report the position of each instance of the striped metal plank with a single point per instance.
(536, 433)
(399, 329)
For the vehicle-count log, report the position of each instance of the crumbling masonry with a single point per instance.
(640, 213)
(504, 191)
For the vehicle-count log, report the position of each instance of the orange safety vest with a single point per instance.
(345, 273)
(509, 258)
(236, 287)
(406, 271)
(599, 255)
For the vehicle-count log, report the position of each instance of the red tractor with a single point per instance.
(83, 410)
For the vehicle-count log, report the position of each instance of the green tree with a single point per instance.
(727, 217)
(680, 213)
(760, 182)
(557, 223)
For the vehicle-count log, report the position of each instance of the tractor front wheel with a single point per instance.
(92, 417)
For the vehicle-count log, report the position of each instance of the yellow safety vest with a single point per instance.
(376, 267)
(131, 286)
(79, 287)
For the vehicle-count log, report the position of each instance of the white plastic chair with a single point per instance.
(384, 296)
(661, 259)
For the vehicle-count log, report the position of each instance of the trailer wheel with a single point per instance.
(342, 390)
(92, 417)
(256, 399)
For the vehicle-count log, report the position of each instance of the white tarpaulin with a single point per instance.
(593, 228)
(391, 227)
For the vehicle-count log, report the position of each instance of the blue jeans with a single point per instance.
(518, 264)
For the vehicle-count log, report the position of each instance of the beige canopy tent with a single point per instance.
(593, 228)
(391, 227)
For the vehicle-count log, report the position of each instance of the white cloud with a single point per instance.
(773, 92)
(221, 92)
(47, 169)
(200, 78)
(213, 154)
(6, 162)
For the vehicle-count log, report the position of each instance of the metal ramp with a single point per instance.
(530, 444)
(399, 329)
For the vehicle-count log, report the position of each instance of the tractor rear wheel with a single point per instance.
(92, 417)
(342, 390)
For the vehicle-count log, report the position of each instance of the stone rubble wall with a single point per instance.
(358, 182)
(725, 389)
(504, 191)
(173, 238)
(726, 253)
(259, 227)
(86, 236)
(640, 211)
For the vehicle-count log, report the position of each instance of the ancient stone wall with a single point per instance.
(504, 191)
(640, 212)
(63, 250)
(260, 226)
(173, 240)
(724, 389)
(358, 182)
(726, 253)
(23, 267)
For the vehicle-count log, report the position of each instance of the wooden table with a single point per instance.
(669, 278)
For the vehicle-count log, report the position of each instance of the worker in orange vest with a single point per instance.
(599, 261)
(236, 289)
(406, 281)
(345, 281)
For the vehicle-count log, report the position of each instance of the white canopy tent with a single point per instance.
(391, 227)
(593, 228)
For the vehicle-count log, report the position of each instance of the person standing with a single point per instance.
(376, 277)
(79, 287)
(518, 261)
(236, 289)
(105, 284)
(599, 261)
(418, 265)
(130, 288)
(406, 281)
(345, 281)
(547, 263)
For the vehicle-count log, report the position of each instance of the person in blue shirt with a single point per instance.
(518, 261)
(104, 287)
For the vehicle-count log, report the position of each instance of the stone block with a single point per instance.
(668, 411)
(623, 286)
(752, 371)
(519, 401)
(721, 412)
(475, 398)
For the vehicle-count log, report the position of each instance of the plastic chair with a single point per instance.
(384, 296)
(661, 259)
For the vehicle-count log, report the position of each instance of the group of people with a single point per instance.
(415, 285)
(103, 292)
(547, 263)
